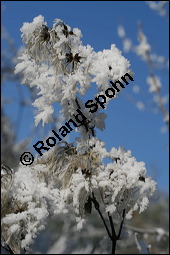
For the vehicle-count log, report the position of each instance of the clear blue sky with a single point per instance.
(98, 21)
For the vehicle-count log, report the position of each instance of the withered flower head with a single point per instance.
(66, 32)
(70, 58)
(41, 42)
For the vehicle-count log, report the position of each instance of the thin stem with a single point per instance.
(121, 224)
(76, 100)
(8, 249)
(96, 205)
(114, 237)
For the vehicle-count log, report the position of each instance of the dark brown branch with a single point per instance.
(114, 237)
(96, 205)
(121, 225)
(7, 248)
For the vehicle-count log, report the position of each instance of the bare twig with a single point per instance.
(7, 248)
(121, 225)
(96, 205)
(114, 237)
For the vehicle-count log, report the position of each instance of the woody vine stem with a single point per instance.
(112, 234)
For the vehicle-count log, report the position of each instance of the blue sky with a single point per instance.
(138, 131)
